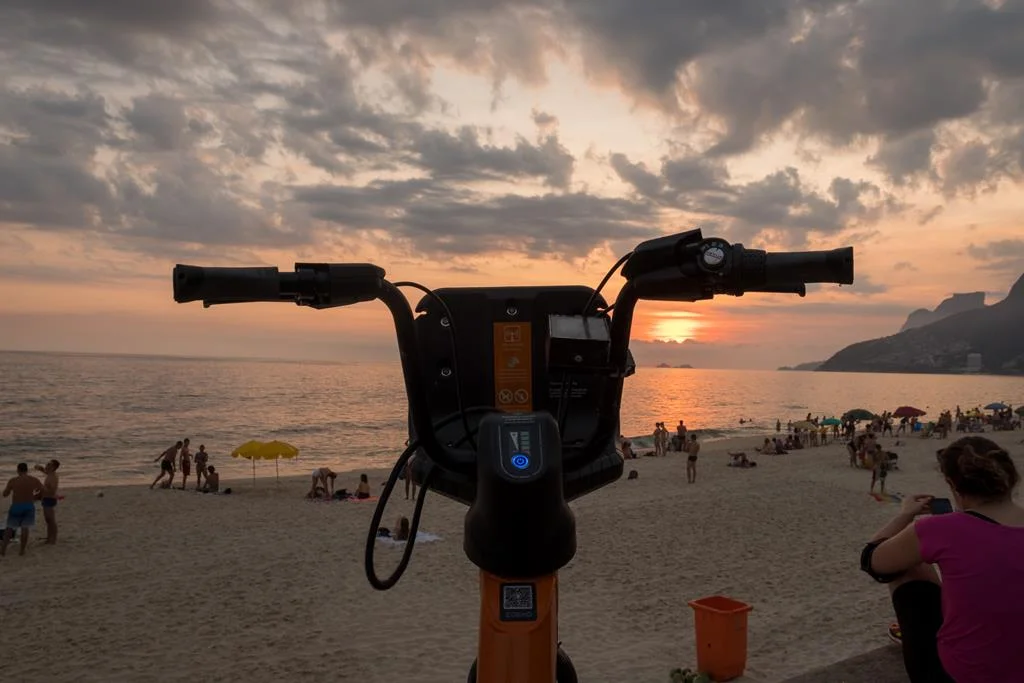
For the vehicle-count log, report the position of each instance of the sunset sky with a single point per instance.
(479, 142)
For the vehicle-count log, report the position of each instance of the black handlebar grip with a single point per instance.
(786, 268)
(223, 285)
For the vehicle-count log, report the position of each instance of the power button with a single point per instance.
(520, 461)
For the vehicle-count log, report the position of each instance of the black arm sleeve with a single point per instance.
(866, 556)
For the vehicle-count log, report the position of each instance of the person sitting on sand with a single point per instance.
(964, 626)
(166, 465)
(23, 490)
(49, 498)
(323, 477)
(212, 480)
(363, 489)
(768, 448)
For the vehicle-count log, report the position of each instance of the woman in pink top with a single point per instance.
(965, 627)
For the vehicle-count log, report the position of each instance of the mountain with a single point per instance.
(995, 332)
(804, 367)
(958, 303)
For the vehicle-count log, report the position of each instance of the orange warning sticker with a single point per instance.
(513, 367)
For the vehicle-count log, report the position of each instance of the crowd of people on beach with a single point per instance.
(179, 458)
(664, 443)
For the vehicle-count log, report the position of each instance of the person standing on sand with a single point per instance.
(692, 449)
(186, 463)
(409, 482)
(166, 465)
(23, 490)
(50, 483)
(202, 458)
(323, 476)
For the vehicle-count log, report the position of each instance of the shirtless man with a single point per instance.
(166, 465)
(321, 475)
(50, 483)
(202, 458)
(23, 490)
(692, 449)
(185, 463)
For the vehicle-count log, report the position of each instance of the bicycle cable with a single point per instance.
(455, 352)
(389, 486)
(604, 281)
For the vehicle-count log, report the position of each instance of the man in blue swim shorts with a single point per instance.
(23, 489)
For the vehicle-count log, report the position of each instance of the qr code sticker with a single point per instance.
(517, 598)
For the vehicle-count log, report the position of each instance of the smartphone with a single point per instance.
(940, 506)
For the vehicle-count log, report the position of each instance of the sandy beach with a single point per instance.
(264, 586)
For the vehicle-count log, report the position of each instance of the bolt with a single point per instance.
(578, 358)
(446, 372)
(512, 311)
(445, 322)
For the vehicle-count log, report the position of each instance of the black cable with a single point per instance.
(389, 486)
(455, 352)
(604, 281)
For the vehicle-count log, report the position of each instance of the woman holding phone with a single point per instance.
(964, 627)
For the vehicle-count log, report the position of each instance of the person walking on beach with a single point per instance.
(692, 449)
(23, 489)
(185, 459)
(50, 484)
(166, 465)
(202, 459)
(880, 468)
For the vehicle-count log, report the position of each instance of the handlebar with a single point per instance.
(682, 267)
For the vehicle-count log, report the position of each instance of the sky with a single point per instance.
(500, 142)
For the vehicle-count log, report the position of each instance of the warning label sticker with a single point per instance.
(513, 367)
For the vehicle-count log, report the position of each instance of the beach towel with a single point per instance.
(887, 497)
(421, 537)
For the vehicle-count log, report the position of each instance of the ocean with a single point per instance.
(106, 417)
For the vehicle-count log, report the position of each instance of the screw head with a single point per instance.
(445, 322)
(512, 310)
(446, 372)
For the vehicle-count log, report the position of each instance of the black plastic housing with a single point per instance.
(519, 525)
(474, 313)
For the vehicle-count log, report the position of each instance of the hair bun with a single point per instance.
(979, 467)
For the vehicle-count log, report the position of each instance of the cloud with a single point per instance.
(1000, 255)
(905, 265)
(780, 208)
(155, 125)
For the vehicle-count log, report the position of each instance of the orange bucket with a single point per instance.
(721, 632)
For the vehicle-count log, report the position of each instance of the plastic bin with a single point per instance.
(720, 626)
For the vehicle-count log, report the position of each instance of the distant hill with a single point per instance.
(958, 303)
(994, 332)
(803, 367)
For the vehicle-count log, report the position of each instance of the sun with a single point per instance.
(676, 326)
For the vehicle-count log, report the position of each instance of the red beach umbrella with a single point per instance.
(908, 411)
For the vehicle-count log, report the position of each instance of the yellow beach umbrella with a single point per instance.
(270, 450)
